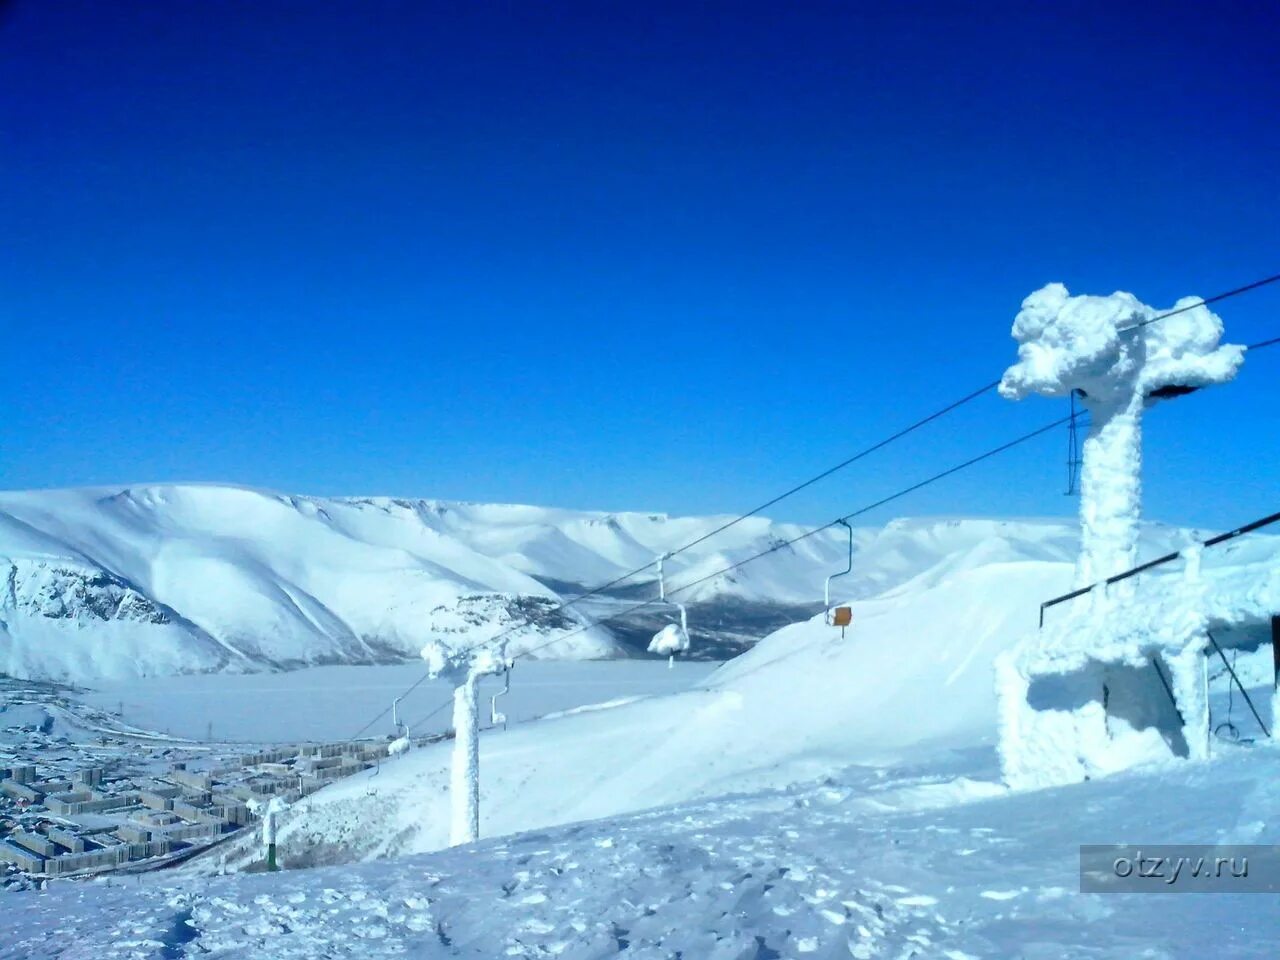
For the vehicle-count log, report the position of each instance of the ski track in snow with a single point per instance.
(843, 868)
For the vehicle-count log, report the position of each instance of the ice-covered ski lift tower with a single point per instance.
(1120, 676)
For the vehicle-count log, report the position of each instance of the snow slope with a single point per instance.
(802, 704)
(914, 673)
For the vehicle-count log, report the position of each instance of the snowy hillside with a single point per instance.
(914, 675)
(172, 579)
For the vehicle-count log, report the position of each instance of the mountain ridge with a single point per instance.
(133, 580)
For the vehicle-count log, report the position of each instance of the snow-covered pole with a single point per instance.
(684, 628)
(1118, 356)
(464, 672)
(269, 838)
(464, 779)
(270, 812)
(1110, 489)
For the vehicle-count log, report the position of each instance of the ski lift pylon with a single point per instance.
(840, 616)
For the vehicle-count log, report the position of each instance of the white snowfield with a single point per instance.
(154, 580)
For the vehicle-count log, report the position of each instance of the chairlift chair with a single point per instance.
(682, 631)
(840, 617)
(495, 717)
(402, 742)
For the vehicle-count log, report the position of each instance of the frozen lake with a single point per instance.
(332, 703)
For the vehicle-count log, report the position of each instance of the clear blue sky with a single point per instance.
(624, 256)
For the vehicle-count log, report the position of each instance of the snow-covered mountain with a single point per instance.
(824, 794)
(188, 578)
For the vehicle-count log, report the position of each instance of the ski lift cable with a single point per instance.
(1080, 419)
(879, 445)
(1216, 298)
(973, 395)
(967, 398)
(412, 687)
(417, 725)
(911, 428)
(783, 544)
(849, 461)
(884, 500)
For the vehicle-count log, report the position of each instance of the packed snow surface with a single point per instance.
(927, 860)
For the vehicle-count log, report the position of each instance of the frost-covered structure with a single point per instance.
(464, 669)
(1118, 361)
(1122, 679)
(269, 811)
(1118, 684)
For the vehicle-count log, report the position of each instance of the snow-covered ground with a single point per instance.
(331, 703)
(822, 795)
(909, 860)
